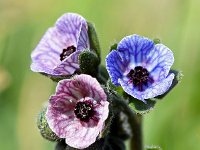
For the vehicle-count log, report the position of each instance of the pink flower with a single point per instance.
(78, 110)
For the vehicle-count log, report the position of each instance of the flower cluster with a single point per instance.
(81, 110)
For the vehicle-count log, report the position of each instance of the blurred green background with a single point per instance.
(174, 124)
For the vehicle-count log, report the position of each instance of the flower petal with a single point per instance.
(115, 66)
(68, 66)
(69, 29)
(87, 132)
(90, 87)
(74, 27)
(134, 48)
(83, 136)
(157, 88)
(83, 42)
(47, 53)
(159, 62)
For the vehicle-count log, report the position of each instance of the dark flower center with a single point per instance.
(84, 111)
(139, 76)
(67, 52)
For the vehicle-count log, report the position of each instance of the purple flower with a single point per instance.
(57, 52)
(141, 67)
(78, 110)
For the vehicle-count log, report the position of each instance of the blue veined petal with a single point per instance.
(157, 88)
(159, 62)
(134, 49)
(115, 66)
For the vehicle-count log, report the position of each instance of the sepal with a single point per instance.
(156, 41)
(113, 47)
(94, 41)
(140, 107)
(57, 78)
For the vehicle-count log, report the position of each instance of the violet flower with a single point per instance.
(57, 52)
(78, 110)
(141, 67)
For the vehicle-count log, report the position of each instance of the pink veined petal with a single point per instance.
(82, 86)
(60, 112)
(88, 135)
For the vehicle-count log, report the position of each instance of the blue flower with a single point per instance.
(141, 67)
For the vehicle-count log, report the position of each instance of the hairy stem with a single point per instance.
(136, 140)
(134, 119)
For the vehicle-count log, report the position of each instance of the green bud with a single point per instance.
(43, 126)
(94, 41)
(88, 63)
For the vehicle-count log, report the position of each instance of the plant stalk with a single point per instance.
(135, 121)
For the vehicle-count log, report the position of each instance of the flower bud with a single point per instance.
(88, 63)
(43, 126)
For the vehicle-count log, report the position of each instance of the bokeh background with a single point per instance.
(174, 124)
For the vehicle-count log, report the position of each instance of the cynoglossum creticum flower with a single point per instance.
(57, 52)
(78, 110)
(141, 67)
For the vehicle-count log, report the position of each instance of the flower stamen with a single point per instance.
(84, 111)
(67, 52)
(139, 76)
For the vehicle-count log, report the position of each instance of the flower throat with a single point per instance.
(67, 52)
(139, 76)
(84, 111)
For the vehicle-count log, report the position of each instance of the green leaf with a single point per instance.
(93, 39)
(153, 147)
(141, 107)
(177, 79)
(116, 89)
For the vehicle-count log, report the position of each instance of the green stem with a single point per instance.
(134, 119)
(136, 140)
